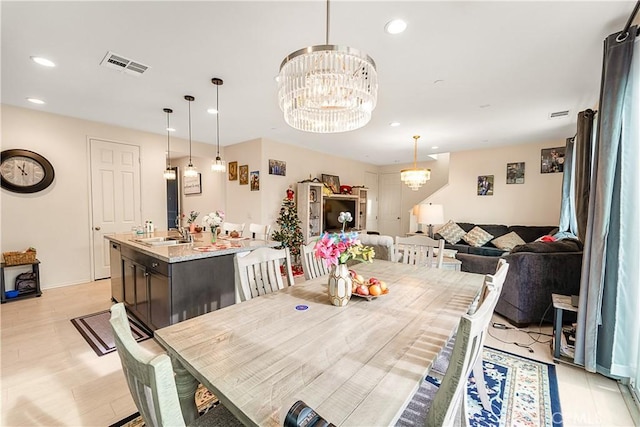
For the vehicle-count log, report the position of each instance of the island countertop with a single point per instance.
(199, 249)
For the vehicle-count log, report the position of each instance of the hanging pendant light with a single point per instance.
(190, 171)
(218, 165)
(415, 178)
(169, 174)
(327, 88)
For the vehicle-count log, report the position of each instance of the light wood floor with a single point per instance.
(51, 377)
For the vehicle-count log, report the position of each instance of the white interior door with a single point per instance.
(115, 196)
(389, 209)
(371, 182)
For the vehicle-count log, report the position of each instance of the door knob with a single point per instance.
(96, 228)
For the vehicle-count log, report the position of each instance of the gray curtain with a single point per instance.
(582, 166)
(599, 283)
(568, 226)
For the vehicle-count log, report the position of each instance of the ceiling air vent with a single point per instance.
(120, 63)
(559, 114)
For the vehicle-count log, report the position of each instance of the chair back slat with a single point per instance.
(259, 231)
(228, 227)
(419, 250)
(312, 266)
(259, 271)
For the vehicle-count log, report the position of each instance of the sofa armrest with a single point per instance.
(481, 264)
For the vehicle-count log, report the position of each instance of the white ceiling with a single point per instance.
(523, 59)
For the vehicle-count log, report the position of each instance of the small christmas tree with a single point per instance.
(290, 233)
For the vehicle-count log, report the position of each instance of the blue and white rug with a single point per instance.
(522, 392)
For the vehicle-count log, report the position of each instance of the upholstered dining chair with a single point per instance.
(259, 272)
(259, 231)
(312, 266)
(419, 250)
(228, 227)
(151, 381)
(448, 406)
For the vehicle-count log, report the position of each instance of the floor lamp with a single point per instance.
(430, 214)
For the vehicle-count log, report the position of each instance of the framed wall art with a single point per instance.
(552, 160)
(277, 167)
(233, 171)
(192, 184)
(255, 180)
(333, 182)
(244, 174)
(515, 173)
(485, 185)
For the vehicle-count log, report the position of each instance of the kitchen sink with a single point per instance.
(161, 241)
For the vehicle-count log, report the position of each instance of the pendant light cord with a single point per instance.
(168, 142)
(189, 132)
(415, 152)
(327, 31)
(218, 121)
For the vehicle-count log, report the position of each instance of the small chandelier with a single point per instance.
(327, 88)
(415, 178)
(190, 171)
(169, 174)
(218, 165)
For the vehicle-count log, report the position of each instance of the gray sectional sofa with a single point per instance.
(536, 270)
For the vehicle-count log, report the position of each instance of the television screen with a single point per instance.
(333, 207)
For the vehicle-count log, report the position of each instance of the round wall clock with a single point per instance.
(24, 171)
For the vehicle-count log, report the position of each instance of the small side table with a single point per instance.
(35, 268)
(561, 303)
(449, 263)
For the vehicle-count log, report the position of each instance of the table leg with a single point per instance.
(186, 385)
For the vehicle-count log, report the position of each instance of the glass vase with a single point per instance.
(214, 234)
(339, 285)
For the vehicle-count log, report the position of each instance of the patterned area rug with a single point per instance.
(205, 400)
(522, 392)
(96, 330)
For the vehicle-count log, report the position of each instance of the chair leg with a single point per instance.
(478, 375)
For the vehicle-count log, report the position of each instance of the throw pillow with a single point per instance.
(508, 241)
(451, 232)
(477, 237)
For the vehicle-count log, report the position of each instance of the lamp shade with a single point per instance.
(430, 214)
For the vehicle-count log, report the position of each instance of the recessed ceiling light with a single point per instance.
(212, 111)
(394, 124)
(171, 129)
(36, 101)
(485, 106)
(43, 61)
(435, 147)
(435, 82)
(395, 26)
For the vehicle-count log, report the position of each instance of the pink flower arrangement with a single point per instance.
(338, 248)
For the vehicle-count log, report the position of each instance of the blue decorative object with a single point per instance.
(11, 294)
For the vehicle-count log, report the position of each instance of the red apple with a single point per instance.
(362, 290)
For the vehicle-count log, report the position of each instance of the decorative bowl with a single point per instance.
(11, 294)
(198, 229)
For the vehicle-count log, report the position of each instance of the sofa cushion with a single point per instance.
(486, 251)
(477, 237)
(508, 241)
(451, 232)
(531, 233)
(566, 245)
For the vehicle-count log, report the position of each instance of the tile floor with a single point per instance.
(51, 377)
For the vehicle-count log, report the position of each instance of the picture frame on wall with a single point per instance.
(255, 180)
(244, 174)
(515, 173)
(233, 171)
(332, 182)
(552, 160)
(192, 184)
(277, 167)
(485, 185)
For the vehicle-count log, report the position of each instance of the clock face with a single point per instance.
(24, 171)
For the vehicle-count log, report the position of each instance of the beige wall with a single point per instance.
(57, 221)
(536, 202)
(213, 195)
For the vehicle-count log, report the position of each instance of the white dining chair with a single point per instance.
(259, 231)
(311, 266)
(259, 272)
(228, 227)
(151, 381)
(419, 250)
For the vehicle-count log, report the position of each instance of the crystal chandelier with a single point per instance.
(190, 171)
(218, 165)
(415, 178)
(169, 174)
(327, 88)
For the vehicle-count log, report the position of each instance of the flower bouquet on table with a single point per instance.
(192, 217)
(335, 250)
(214, 220)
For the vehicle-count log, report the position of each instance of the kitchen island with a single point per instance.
(165, 282)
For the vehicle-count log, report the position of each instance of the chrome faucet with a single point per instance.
(184, 233)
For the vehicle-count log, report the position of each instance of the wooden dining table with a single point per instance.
(354, 365)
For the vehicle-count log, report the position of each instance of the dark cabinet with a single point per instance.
(159, 301)
(129, 282)
(115, 259)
